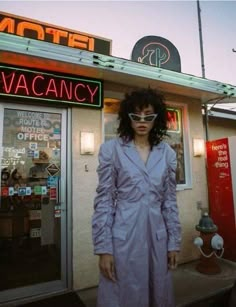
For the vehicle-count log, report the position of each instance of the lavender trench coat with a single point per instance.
(136, 220)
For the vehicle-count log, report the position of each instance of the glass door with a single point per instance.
(33, 222)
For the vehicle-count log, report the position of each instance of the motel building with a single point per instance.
(60, 90)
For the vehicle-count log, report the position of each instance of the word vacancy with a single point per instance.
(44, 86)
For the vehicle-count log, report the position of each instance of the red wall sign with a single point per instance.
(221, 193)
(38, 85)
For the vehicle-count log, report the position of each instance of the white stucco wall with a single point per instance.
(83, 185)
(221, 128)
(85, 271)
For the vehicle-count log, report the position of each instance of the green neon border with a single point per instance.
(100, 83)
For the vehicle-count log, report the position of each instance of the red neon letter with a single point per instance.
(23, 85)
(77, 98)
(92, 93)
(8, 90)
(172, 120)
(53, 89)
(33, 85)
(68, 92)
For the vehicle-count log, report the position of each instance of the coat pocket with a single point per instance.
(119, 233)
(161, 234)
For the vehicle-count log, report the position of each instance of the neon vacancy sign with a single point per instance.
(22, 83)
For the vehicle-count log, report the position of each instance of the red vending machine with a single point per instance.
(221, 171)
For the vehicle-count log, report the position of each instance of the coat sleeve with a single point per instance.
(169, 207)
(104, 202)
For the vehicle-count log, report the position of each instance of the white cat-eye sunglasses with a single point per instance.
(145, 118)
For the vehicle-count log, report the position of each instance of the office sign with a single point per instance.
(156, 51)
(34, 29)
(38, 85)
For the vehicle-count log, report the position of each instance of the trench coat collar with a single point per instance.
(131, 152)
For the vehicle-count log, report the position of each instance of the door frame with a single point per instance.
(49, 288)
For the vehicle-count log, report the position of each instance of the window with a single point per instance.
(177, 136)
(175, 140)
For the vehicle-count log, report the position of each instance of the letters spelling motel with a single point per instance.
(53, 34)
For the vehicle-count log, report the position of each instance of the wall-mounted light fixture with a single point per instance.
(198, 147)
(86, 143)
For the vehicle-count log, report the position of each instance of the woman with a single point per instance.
(136, 229)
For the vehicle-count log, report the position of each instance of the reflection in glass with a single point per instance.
(30, 223)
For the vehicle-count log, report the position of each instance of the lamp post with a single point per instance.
(202, 64)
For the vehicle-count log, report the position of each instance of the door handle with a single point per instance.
(61, 194)
(58, 194)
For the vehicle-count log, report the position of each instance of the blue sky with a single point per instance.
(125, 22)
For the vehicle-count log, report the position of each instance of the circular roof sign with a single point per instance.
(156, 51)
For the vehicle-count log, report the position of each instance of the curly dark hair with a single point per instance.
(137, 100)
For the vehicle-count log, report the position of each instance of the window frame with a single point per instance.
(186, 142)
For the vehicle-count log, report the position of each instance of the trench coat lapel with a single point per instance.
(155, 156)
(133, 155)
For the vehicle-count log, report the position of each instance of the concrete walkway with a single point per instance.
(190, 286)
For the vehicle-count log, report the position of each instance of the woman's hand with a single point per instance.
(107, 266)
(173, 259)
